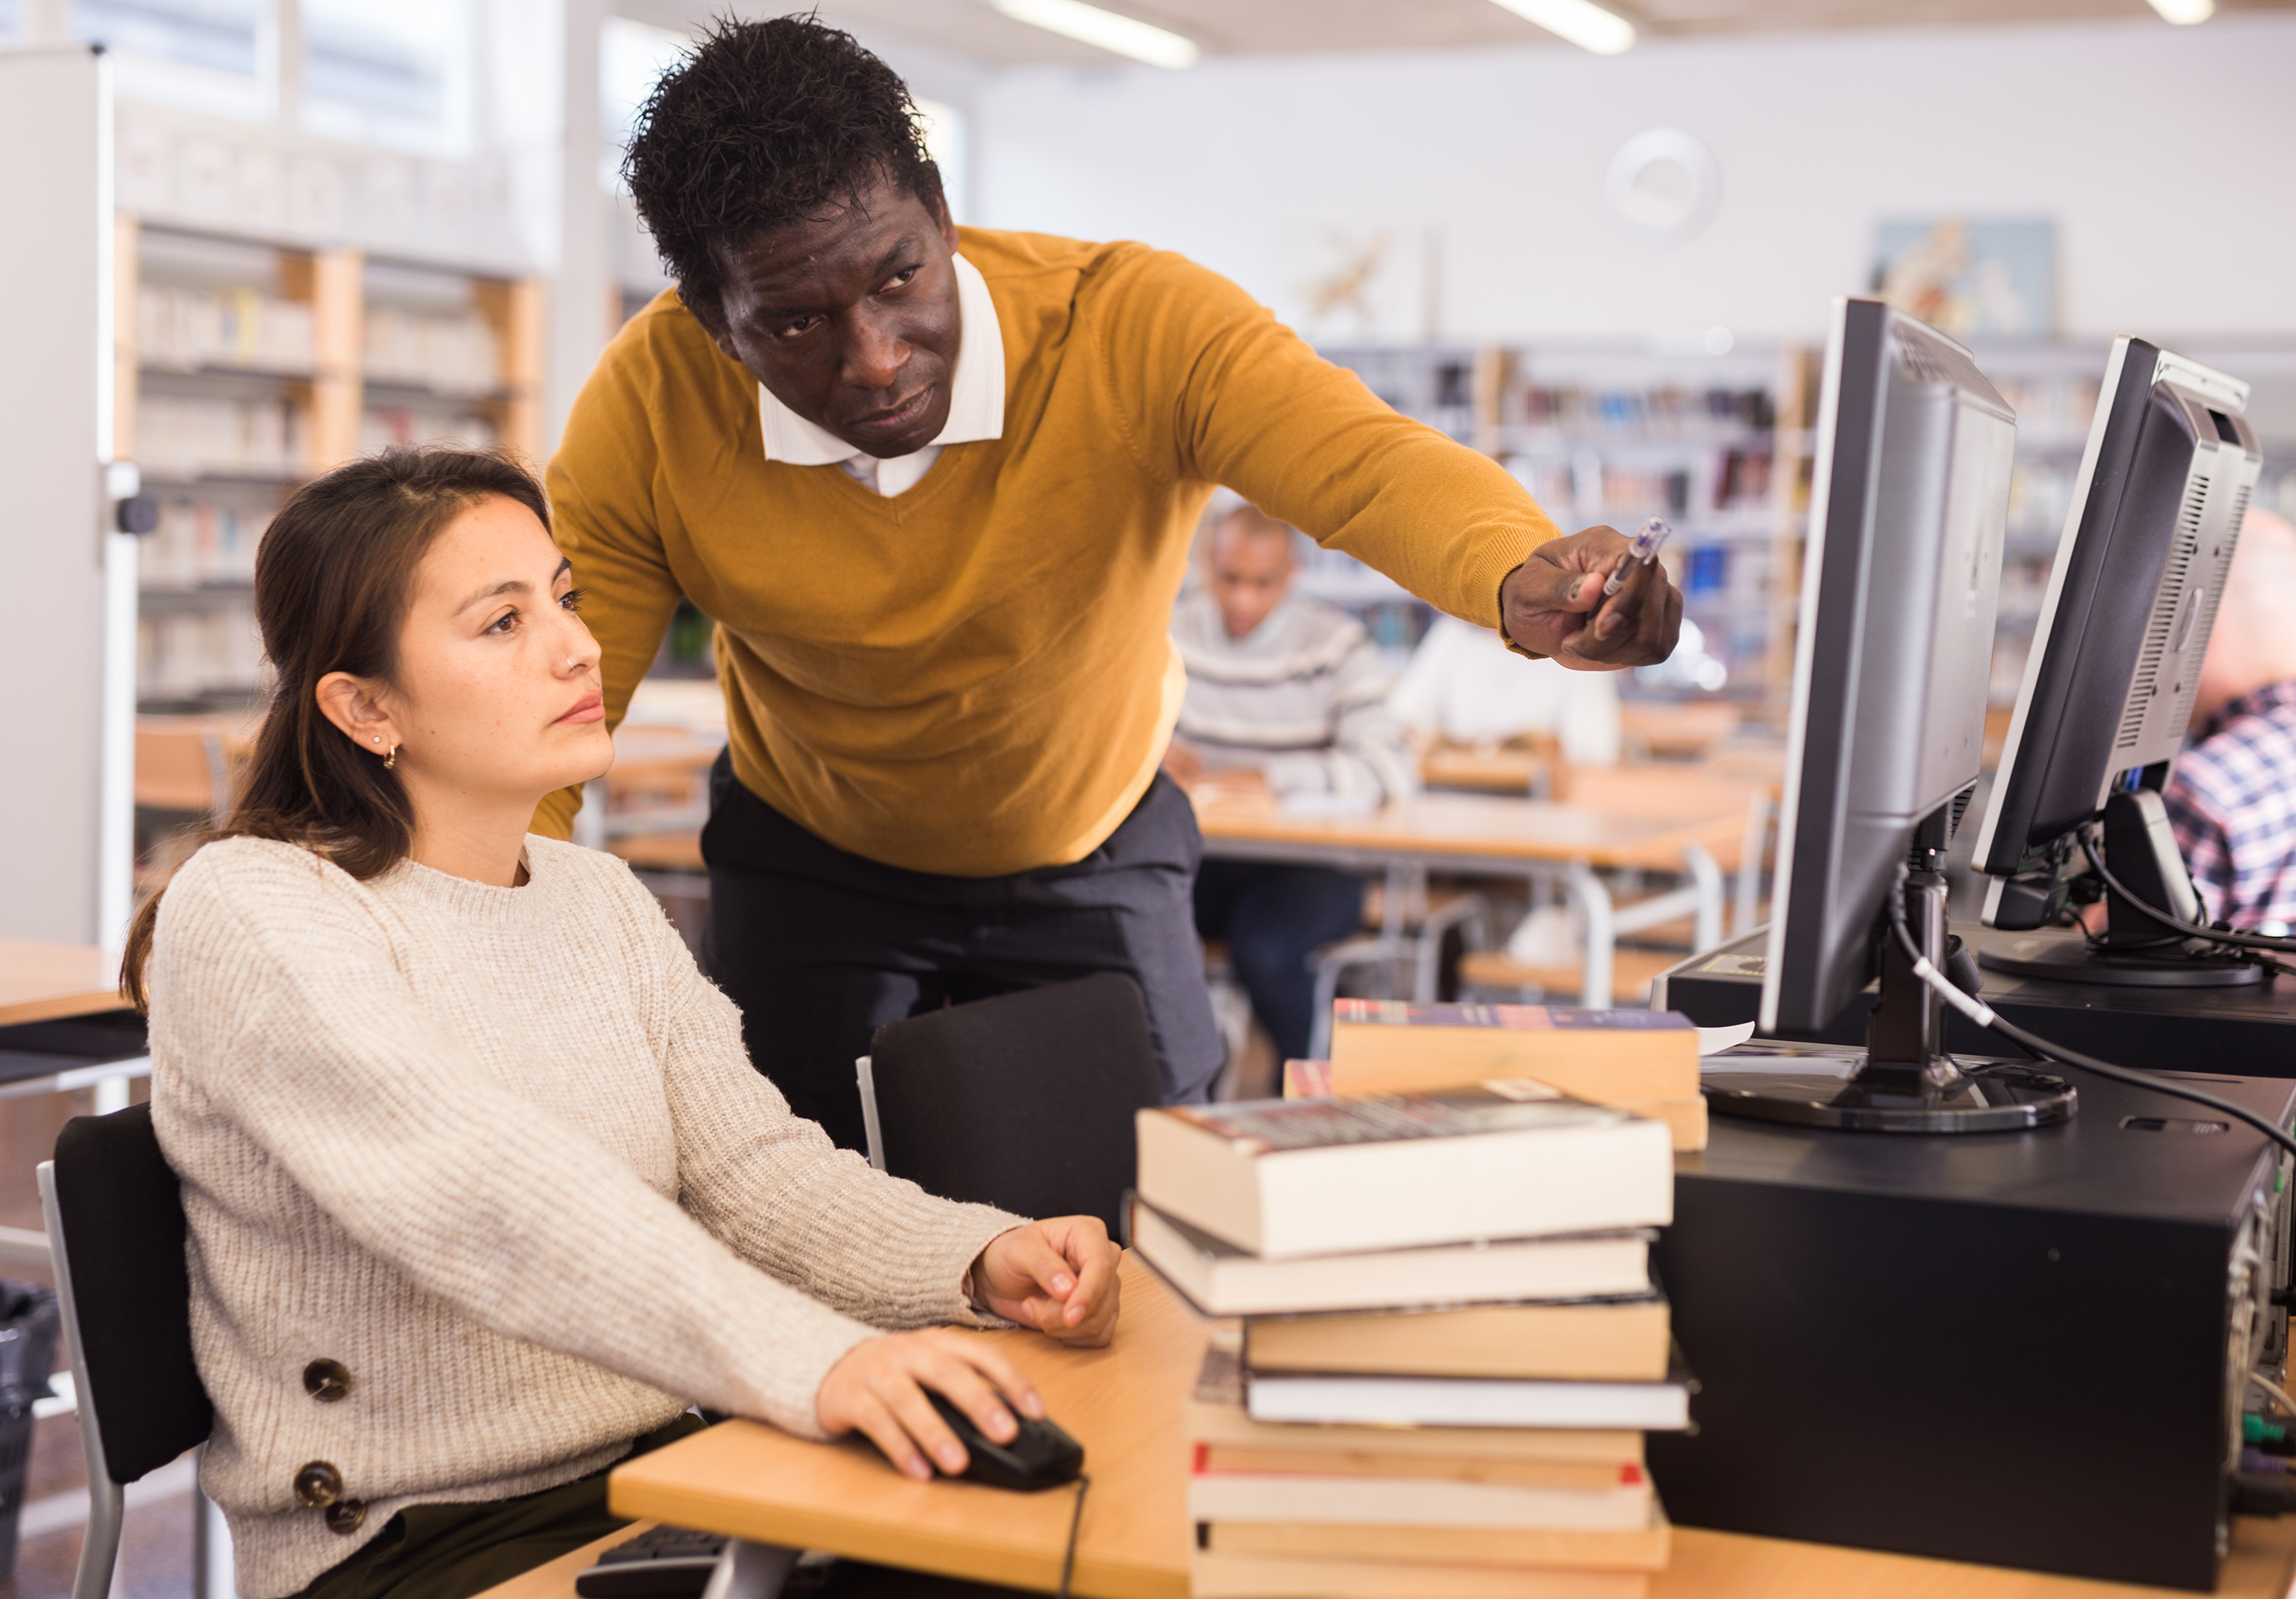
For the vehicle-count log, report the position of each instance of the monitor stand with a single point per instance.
(1906, 1083)
(2135, 952)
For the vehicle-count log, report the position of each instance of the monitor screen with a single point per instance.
(1908, 508)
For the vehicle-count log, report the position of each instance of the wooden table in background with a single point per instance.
(48, 982)
(1496, 837)
(1125, 1403)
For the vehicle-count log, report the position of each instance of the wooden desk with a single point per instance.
(1496, 837)
(46, 982)
(1125, 1403)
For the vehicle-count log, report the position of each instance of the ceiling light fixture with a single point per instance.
(1090, 25)
(1589, 26)
(2185, 13)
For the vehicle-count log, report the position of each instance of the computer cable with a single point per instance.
(1076, 1521)
(2218, 935)
(2263, 1494)
(2279, 1394)
(1985, 1016)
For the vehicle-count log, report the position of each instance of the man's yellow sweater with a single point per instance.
(975, 677)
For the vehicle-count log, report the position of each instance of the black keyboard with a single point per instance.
(670, 1562)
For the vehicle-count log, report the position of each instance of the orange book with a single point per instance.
(1609, 1057)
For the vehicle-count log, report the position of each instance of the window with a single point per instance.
(632, 57)
(212, 55)
(945, 142)
(396, 74)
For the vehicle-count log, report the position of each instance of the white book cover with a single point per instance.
(1468, 1402)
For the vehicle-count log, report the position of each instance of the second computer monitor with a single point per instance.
(1908, 507)
(2164, 482)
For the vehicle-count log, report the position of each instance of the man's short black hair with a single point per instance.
(765, 124)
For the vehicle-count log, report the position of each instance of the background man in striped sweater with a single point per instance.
(1289, 695)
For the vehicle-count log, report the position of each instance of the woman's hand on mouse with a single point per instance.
(1058, 1276)
(878, 1389)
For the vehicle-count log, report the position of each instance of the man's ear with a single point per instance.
(712, 318)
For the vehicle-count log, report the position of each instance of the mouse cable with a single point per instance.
(1985, 1016)
(2218, 935)
(1076, 1521)
(2279, 1394)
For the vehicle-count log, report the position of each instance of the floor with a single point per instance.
(156, 1550)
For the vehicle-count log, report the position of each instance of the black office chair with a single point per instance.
(1025, 1101)
(115, 1216)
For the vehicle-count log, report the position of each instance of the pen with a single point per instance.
(1642, 552)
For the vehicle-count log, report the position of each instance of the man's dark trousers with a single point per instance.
(820, 948)
(1275, 917)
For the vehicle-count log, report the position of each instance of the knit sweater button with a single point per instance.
(344, 1516)
(318, 1485)
(326, 1380)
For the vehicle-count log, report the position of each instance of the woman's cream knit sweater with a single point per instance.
(500, 1155)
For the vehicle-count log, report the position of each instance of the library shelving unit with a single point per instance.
(1717, 444)
(243, 366)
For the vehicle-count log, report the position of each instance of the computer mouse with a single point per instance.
(1040, 1456)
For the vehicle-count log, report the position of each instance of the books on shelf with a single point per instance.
(189, 329)
(1284, 1178)
(1223, 1280)
(1623, 1340)
(451, 353)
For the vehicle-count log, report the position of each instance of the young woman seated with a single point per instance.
(483, 1192)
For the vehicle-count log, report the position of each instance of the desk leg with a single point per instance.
(1707, 877)
(1593, 901)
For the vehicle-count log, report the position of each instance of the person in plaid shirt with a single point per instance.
(2232, 794)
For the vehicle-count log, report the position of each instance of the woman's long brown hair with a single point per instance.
(332, 579)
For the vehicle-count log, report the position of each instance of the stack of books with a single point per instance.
(1641, 1061)
(1449, 1346)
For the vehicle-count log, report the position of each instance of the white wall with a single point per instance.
(2163, 153)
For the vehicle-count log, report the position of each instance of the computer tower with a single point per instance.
(2020, 1348)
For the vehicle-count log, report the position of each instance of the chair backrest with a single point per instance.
(119, 1211)
(1025, 1101)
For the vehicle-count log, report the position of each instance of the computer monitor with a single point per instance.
(1908, 508)
(2164, 482)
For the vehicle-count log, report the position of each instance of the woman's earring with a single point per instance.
(390, 760)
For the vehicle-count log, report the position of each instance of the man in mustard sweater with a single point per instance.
(936, 487)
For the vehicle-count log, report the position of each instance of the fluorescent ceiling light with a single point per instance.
(1589, 26)
(1126, 35)
(2186, 10)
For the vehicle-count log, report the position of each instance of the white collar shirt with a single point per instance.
(975, 403)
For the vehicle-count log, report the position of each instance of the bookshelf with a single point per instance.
(1720, 446)
(1717, 444)
(243, 366)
